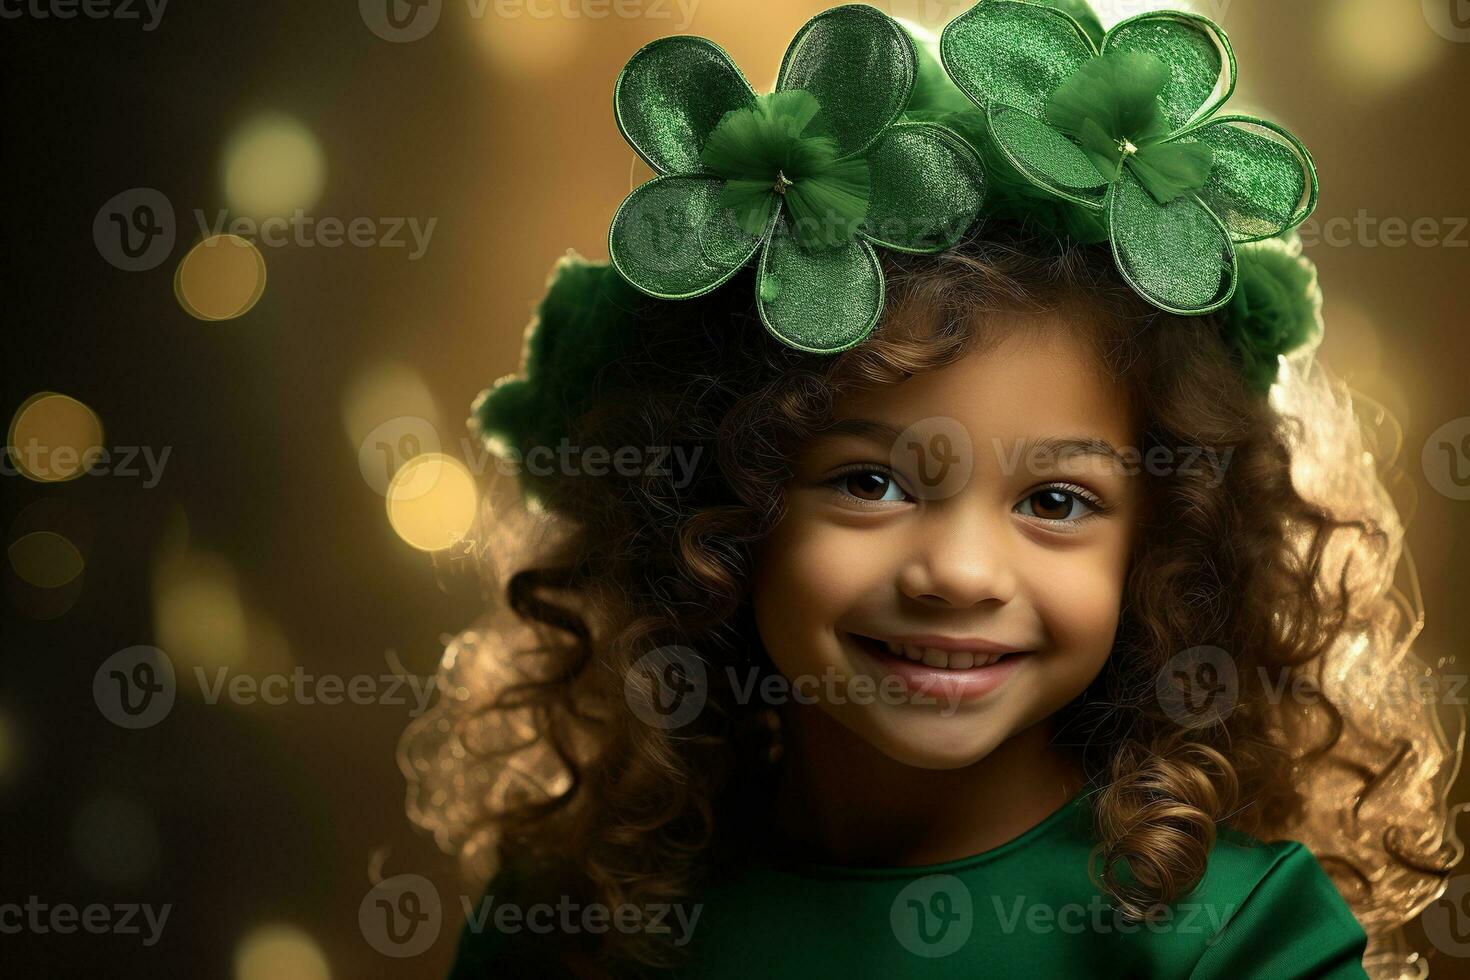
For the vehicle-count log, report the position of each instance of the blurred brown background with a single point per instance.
(282, 379)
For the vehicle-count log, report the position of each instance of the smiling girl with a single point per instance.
(962, 652)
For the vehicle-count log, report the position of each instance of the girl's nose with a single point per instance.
(960, 561)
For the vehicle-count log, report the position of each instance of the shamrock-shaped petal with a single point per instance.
(1200, 59)
(1013, 53)
(672, 238)
(671, 95)
(859, 64)
(821, 301)
(1178, 255)
(927, 188)
(1046, 157)
(1263, 181)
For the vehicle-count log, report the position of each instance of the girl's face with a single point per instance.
(951, 564)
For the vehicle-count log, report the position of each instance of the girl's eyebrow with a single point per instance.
(868, 428)
(1053, 447)
(1078, 446)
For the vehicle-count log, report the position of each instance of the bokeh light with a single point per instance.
(389, 417)
(272, 166)
(45, 559)
(383, 391)
(46, 549)
(199, 618)
(527, 45)
(54, 437)
(280, 952)
(115, 840)
(1375, 45)
(432, 501)
(220, 278)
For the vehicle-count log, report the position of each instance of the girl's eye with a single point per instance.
(1061, 504)
(874, 486)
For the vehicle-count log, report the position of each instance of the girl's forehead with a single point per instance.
(1032, 382)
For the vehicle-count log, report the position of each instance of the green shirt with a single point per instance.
(1024, 909)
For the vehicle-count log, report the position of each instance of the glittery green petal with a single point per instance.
(1263, 181)
(1047, 158)
(822, 302)
(860, 65)
(1013, 53)
(672, 239)
(927, 188)
(1178, 256)
(671, 95)
(1200, 59)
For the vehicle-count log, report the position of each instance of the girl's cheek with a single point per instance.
(809, 575)
(1078, 596)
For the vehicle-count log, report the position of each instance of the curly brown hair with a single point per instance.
(1230, 559)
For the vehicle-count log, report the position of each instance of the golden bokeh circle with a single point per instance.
(45, 559)
(280, 952)
(432, 501)
(220, 278)
(272, 166)
(54, 438)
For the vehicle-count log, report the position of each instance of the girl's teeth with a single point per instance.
(959, 660)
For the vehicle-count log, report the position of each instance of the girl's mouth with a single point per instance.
(951, 674)
(932, 656)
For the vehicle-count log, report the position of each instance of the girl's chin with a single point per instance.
(924, 740)
(926, 755)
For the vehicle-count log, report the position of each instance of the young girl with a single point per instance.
(993, 633)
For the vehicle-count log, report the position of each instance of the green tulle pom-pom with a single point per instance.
(1111, 102)
(585, 319)
(777, 146)
(1277, 307)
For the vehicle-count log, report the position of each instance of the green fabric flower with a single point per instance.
(1010, 196)
(809, 177)
(1277, 308)
(1128, 129)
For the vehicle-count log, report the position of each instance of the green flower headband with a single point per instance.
(811, 176)
(1035, 114)
(1128, 128)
